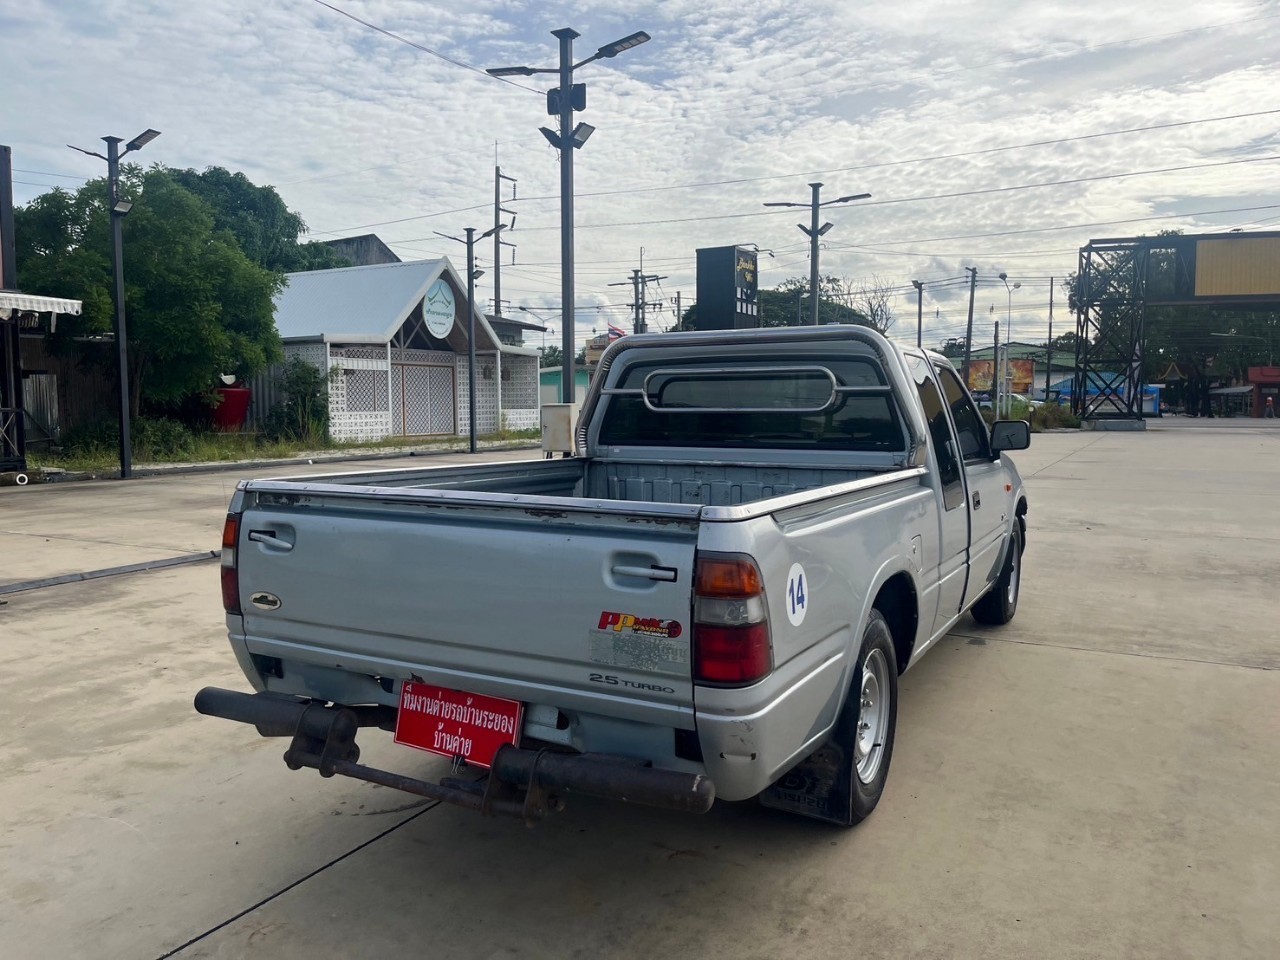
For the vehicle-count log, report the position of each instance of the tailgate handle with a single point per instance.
(269, 538)
(646, 573)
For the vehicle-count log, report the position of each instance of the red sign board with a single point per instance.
(456, 724)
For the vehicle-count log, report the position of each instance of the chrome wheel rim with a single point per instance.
(873, 717)
(1011, 594)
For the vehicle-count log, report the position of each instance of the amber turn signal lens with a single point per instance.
(728, 578)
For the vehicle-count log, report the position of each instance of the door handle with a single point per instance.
(667, 574)
(977, 502)
(268, 538)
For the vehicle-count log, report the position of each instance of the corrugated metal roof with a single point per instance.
(354, 303)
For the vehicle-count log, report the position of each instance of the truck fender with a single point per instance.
(892, 567)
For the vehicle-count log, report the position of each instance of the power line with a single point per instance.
(909, 160)
(418, 46)
(938, 196)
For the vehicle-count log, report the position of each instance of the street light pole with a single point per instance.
(117, 209)
(122, 336)
(566, 36)
(569, 138)
(813, 232)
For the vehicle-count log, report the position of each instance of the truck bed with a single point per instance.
(637, 481)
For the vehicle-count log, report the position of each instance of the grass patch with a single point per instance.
(96, 449)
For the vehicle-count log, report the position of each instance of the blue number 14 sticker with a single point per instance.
(797, 595)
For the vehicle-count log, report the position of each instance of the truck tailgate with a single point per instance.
(560, 606)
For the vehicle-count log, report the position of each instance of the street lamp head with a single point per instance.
(553, 138)
(141, 140)
(626, 43)
(784, 203)
(1003, 276)
(121, 207)
(510, 71)
(581, 133)
(825, 227)
(1017, 284)
(477, 274)
(855, 196)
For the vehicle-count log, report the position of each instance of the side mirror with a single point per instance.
(1010, 435)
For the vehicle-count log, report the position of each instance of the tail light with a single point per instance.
(230, 573)
(731, 642)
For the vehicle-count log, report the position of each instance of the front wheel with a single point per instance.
(1000, 603)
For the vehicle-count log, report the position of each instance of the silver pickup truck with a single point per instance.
(761, 530)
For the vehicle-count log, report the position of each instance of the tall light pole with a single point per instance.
(1003, 367)
(117, 209)
(472, 275)
(562, 101)
(813, 232)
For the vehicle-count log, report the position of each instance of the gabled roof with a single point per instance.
(366, 304)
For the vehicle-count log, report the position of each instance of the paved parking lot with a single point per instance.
(1101, 778)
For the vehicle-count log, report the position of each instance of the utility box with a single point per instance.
(558, 423)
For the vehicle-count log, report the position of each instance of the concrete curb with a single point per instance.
(183, 469)
(109, 572)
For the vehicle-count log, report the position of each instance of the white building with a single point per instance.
(397, 334)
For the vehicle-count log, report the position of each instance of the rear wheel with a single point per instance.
(1000, 603)
(842, 780)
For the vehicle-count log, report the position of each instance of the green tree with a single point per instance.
(788, 305)
(552, 356)
(197, 307)
(268, 232)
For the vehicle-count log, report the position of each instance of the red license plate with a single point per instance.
(454, 723)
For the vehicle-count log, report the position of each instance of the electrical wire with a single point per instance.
(424, 49)
(909, 160)
(939, 196)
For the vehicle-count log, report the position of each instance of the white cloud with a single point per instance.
(356, 128)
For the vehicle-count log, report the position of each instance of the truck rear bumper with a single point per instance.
(522, 783)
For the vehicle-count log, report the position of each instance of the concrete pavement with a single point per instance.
(1100, 778)
(108, 523)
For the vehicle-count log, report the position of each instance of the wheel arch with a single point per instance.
(899, 603)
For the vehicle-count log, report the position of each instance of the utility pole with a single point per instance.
(639, 283)
(498, 226)
(472, 273)
(995, 373)
(637, 303)
(1048, 363)
(679, 313)
(919, 312)
(968, 333)
(813, 232)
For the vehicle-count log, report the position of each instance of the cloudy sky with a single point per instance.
(944, 112)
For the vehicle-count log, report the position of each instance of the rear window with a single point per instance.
(758, 403)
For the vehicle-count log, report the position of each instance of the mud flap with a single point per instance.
(819, 787)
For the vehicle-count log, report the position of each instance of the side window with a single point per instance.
(970, 427)
(935, 412)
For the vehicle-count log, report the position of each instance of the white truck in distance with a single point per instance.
(713, 599)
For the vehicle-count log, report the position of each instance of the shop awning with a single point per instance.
(28, 303)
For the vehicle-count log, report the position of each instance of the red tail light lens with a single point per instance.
(230, 573)
(731, 641)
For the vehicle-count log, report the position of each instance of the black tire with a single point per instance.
(1000, 603)
(876, 637)
(827, 785)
